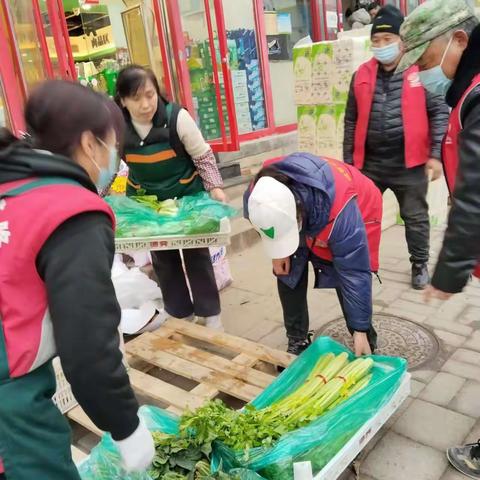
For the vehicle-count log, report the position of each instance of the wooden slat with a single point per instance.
(236, 344)
(161, 391)
(205, 391)
(210, 360)
(78, 455)
(78, 415)
(224, 383)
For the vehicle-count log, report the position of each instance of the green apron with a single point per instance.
(35, 438)
(160, 165)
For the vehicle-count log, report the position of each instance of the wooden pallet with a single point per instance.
(218, 363)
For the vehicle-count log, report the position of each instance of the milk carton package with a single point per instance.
(302, 67)
(323, 69)
(326, 131)
(306, 128)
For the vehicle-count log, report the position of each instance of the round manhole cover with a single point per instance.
(397, 337)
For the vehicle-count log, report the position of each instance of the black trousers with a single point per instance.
(414, 212)
(295, 310)
(204, 300)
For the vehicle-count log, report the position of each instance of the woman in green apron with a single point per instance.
(56, 293)
(168, 157)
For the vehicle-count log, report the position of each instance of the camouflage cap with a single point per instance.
(427, 22)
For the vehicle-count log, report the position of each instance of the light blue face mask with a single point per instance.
(434, 79)
(387, 54)
(106, 174)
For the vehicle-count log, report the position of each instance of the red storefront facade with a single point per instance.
(244, 93)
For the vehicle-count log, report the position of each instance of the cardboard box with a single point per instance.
(323, 69)
(306, 128)
(326, 130)
(302, 68)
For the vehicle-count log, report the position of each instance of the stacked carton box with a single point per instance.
(323, 72)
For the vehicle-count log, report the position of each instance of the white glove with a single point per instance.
(137, 450)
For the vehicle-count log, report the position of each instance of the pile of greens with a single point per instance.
(183, 458)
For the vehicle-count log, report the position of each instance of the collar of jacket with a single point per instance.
(468, 67)
(19, 162)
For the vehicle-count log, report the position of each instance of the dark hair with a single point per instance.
(131, 79)
(348, 12)
(372, 6)
(58, 112)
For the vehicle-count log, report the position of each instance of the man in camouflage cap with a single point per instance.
(443, 38)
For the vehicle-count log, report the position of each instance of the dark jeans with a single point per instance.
(414, 212)
(295, 310)
(2, 476)
(204, 300)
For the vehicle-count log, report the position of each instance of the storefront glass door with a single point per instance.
(28, 41)
(209, 59)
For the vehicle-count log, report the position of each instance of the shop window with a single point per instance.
(28, 45)
(200, 65)
(106, 36)
(412, 5)
(286, 22)
(245, 65)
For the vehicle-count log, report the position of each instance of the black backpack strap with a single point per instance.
(38, 183)
(172, 117)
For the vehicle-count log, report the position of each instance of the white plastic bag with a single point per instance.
(221, 267)
(133, 287)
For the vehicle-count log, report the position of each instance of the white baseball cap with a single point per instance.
(273, 212)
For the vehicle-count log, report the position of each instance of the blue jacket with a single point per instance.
(314, 186)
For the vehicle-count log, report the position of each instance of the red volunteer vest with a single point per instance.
(450, 144)
(414, 112)
(350, 183)
(27, 220)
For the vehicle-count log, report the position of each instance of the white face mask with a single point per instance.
(387, 54)
(434, 79)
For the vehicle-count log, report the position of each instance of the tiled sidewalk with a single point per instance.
(445, 401)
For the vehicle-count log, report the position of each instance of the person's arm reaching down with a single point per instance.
(438, 114)
(75, 264)
(350, 125)
(351, 259)
(461, 247)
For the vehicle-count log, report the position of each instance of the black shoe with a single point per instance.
(466, 459)
(420, 276)
(296, 346)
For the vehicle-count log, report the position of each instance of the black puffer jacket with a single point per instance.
(461, 246)
(385, 146)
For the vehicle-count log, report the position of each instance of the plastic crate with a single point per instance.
(63, 397)
(176, 242)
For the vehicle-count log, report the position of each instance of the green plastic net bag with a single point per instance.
(320, 441)
(197, 214)
(104, 462)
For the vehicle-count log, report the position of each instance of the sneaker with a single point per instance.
(420, 276)
(214, 322)
(466, 459)
(297, 346)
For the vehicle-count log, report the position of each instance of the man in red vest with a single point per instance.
(315, 210)
(393, 134)
(442, 37)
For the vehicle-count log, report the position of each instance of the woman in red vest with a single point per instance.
(311, 209)
(393, 134)
(56, 293)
